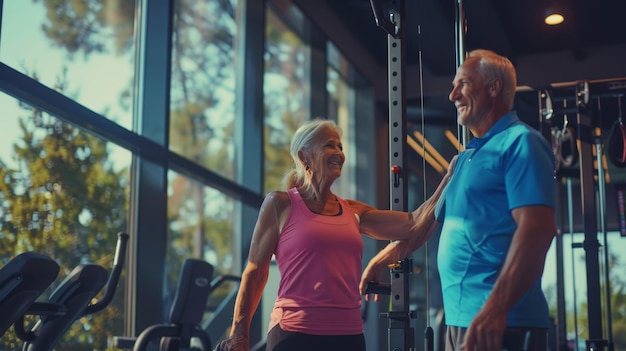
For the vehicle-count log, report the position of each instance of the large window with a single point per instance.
(568, 254)
(286, 87)
(341, 102)
(202, 221)
(65, 191)
(65, 194)
(575, 287)
(202, 100)
(85, 49)
(111, 122)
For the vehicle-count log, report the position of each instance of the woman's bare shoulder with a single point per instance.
(360, 208)
(277, 198)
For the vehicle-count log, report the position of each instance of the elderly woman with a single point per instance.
(316, 239)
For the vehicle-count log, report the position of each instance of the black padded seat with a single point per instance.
(74, 294)
(71, 300)
(183, 324)
(22, 281)
(192, 292)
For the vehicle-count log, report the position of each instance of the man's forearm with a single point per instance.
(523, 266)
(393, 252)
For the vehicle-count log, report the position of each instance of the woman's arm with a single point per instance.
(255, 275)
(416, 226)
(420, 227)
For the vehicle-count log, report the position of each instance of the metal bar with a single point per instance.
(389, 15)
(60, 106)
(400, 331)
(461, 30)
(602, 203)
(590, 223)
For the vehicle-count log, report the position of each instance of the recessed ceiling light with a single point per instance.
(553, 17)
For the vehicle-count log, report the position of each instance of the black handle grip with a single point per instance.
(378, 288)
(114, 277)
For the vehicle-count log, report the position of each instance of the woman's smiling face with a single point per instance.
(328, 154)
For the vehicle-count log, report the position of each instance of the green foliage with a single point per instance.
(87, 25)
(200, 219)
(618, 309)
(286, 83)
(66, 201)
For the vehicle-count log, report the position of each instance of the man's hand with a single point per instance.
(486, 331)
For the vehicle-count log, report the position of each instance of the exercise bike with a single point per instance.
(70, 301)
(183, 325)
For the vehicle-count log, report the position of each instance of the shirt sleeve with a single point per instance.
(530, 177)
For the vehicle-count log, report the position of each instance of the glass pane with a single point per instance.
(202, 105)
(83, 48)
(286, 88)
(575, 286)
(202, 224)
(64, 193)
(341, 107)
(350, 103)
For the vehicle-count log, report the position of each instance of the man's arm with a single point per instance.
(424, 225)
(523, 266)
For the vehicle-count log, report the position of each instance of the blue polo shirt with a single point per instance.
(509, 167)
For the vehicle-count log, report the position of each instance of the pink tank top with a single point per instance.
(319, 260)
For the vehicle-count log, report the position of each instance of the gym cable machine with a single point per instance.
(588, 139)
(389, 15)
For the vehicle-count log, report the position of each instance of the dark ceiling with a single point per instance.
(512, 28)
(589, 45)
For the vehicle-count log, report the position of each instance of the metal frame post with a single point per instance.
(390, 15)
(590, 222)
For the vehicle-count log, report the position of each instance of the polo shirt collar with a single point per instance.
(499, 126)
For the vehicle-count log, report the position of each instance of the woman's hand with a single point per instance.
(372, 274)
(233, 343)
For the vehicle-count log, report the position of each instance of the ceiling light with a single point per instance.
(553, 17)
